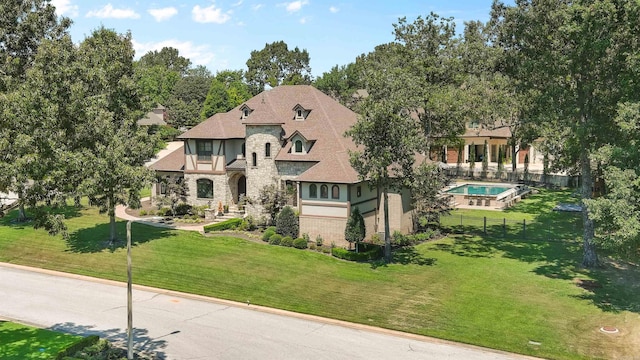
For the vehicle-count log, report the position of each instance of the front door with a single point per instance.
(242, 187)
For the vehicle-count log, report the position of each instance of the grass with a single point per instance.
(475, 289)
(22, 342)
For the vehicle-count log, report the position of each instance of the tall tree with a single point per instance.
(168, 58)
(187, 98)
(156, 83)
(227, 91)
(24, 25)
(341, 83)
(385, 132)
(575, 75)
(118, 150)
(276, 65)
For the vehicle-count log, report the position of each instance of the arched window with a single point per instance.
(324, 191)
(335, 192)
(205, 188)
(254, 159)
(298, 145)
(267, 150)
(313, 191)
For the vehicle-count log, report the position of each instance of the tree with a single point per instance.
(575, 76)
(428, 202)
(187, 98)
(472, 157)
(616, 212)
(176, 191)
(168, 58)
(276, 65)
(341, 83)
(118, 149)
(24, 26)
(272, 199)
(156, 83)
(227, 91)
(387, 136)
(355, 230)
(287, 223)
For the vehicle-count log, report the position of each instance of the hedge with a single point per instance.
(78, 346)
(225, 225)
(287, 241)
(367, 252)
(267, 234)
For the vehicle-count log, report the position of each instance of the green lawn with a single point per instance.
(22, 342)
(480, 290)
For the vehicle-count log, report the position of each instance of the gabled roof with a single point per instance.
(325, 124)
(172, 162)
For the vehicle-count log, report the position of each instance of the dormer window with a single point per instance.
(298, 146)
(300, 113)
(246, 111)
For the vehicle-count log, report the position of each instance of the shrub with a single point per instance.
(287, 223)
(300, 243)
(287, 241)
(312, 246)
(199, 210)
(306, 237)
(319, 240)
(225, 225)
(267, 234)
(183, 209)
(143, 212)
(248, 224)
(163, 211)
(275, 239)
(77, 346)
(399, 239)
(377, 239)
(355, 230)
(272, 228)
(372, 252)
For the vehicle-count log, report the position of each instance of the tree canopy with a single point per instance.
(276, 65)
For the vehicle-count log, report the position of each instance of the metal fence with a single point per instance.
(566, 228)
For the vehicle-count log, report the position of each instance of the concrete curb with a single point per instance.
(264, 309)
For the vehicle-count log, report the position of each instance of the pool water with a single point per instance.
(479, 189)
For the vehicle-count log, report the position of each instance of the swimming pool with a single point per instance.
(498, 196)
(471, 189)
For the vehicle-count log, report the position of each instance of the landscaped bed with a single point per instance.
(516, 295)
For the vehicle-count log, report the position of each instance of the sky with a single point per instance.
(221, 34)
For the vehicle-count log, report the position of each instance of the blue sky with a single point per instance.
(221, 34)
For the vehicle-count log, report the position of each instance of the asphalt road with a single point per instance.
(178, 326)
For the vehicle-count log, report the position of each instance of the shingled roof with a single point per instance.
(173, 162)
(325, 123)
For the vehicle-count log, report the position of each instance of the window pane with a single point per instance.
(267, 150)
(335, 192)
(313, 191)
(205, 188)
(204, 149)
(298, 146)
(254, 159)
(324, 191)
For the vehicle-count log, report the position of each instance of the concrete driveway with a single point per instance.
(181, 326)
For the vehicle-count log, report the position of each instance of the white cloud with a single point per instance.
(210, 14)
(257, 7)
(303, 20)
(65, 7)
(238, 3)
(334, 9)
(295, 5)
(109, 12)
(163, 14)
(198, 54)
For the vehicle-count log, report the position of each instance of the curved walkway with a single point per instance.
(121, 213)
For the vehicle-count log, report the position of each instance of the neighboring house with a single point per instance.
(497, 138)
(156, 116)
(291, 136)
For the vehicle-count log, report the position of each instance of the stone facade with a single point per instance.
(265, 172)
(221, 190)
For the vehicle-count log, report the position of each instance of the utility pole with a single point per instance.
(129, 297)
